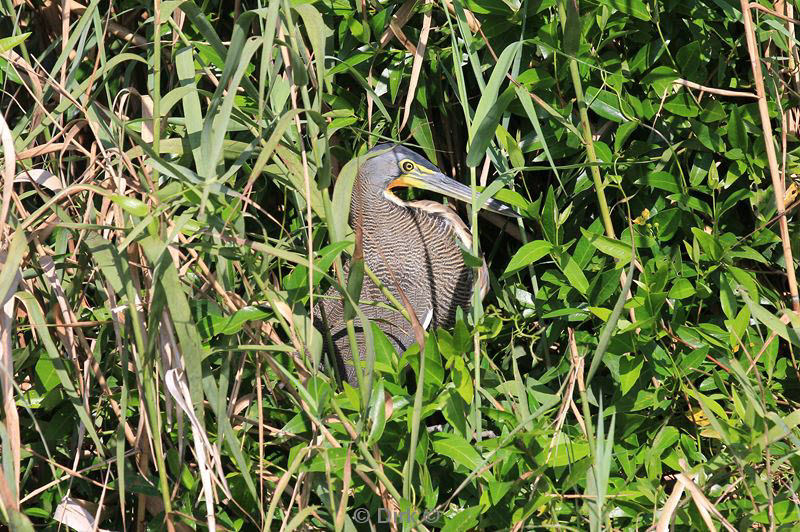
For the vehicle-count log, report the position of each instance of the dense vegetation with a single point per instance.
(179, 200)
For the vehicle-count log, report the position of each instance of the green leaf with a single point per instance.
(377, 413)
(708, 243)
(662, 181)
(682, 104)
(314, 26)
(131, 205)
(8, 43)
(772, 322)
(355, 281)
(455, 413)
(690, 61)
(549, 218)
(647, 55)
(635, 8)
(46, 373)
(737, 134)
(489, 110)
(681, 289)
(457, 449)
(605, 104)
(629, 369)
(466, 519)
(342, 194)
(785, 512)
(463, 380)
(609, 246)
(624, 131)
(180, 312)
(707, 136)
(573, 273)
(527, 254)
(660, 79)
(234, 323)
(469, 259)
(572, 28)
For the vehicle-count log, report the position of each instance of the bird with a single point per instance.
(411, 246)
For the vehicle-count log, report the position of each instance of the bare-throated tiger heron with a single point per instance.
(411, 246)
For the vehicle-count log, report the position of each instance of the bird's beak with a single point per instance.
(440, 183)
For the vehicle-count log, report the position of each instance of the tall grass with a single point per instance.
(175, 201)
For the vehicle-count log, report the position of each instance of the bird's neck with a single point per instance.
(368, 205)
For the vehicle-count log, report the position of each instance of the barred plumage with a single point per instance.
(411, 246)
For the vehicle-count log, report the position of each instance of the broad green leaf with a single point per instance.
(131, 205)
(572, 29)
(783, 426)
(317, 31)
(549, 218)
(708, 243)
(635, 8)
(457, 449)
(661, 180)
(629, 369)
(737, 133)
(785, 511)
(527, 254)
(609, 246)
(46, 373)
(690, 61)
(573, 273)
(605, 104)
(184, 67)
(660, 79)
(342, 193)
(455, 413)
(772, 322)
(681, 289)
(355, 281)
(466, 519)
(682, 104)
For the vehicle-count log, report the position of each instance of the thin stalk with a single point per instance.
(377, 470)
(385, 291)
(151, 375)
(587, 415)
(367, 455)
(416, 416)
(477, 310)
(156, 83)
(154, 417)
(594, 167)
(766, 126)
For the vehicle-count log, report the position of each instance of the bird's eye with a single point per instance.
(407, 166)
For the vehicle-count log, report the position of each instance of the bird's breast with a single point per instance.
(414, 248)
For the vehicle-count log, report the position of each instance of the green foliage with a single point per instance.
(182, 192)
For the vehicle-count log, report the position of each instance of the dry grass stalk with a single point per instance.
(777, 184)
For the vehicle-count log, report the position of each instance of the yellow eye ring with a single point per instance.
(406, 166)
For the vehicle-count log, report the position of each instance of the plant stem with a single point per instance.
(594, 168)
(415, 422)
(766, 126)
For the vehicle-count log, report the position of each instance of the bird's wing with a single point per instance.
(459, 228)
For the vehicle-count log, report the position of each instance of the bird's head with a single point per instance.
(388, 166)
